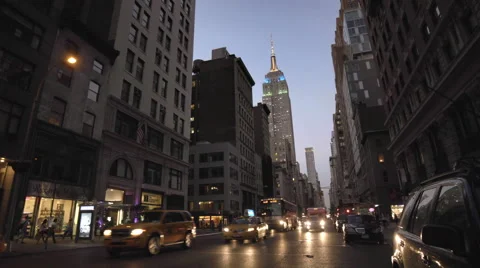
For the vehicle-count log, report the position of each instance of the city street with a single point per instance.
(292, 249)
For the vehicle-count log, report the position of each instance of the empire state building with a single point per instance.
(277, 98)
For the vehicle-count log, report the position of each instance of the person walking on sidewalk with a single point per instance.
(42, 231)
(51, 230)
(22, 229)
(69, 230)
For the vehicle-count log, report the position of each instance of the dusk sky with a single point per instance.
(303, 32)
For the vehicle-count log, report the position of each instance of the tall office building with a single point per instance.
(277, 98)
(222, 111)
(146, 130)
(311, 171)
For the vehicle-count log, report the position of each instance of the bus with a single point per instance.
(279, 214)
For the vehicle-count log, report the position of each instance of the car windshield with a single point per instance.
(342, 217)
(359, 219)
(314, 218)
(244, 221)
(151, 216)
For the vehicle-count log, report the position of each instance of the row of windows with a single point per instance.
(130, 128)
(152, 173)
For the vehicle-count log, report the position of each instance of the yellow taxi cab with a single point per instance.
(246, 228)
(156, 229)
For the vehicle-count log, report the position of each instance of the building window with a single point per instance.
(121, 168)
(187, 10)
(64, 75)
(93, 91)
(177, 75)
(139, 71)
(434, 12)
(158, 57)
(97, 67)
(367, 95)
(126, 125)
(155, 139)
(145, 20)
(175, 122)
(168, 43)
(211, 189)
(132, 36)
(182, 103)
(169, 23)
(10, 115)
(161, 17)
(355, 76)
(184, 62)
(182, 126)
(180, 36)
(164, 88)
(176, 149)
(184, 81)
(88, 124)
(153, 109)
(160, 35)
(156, 81)
(166, 64)
(162, 114)
(360, 84)
(182, 19)
(152, 173)
(176, 98)
(170, 5)
(125, 95)
(381, 158)
(185, 43)
(15, 71)
(136, 10)
(187, 26)
(179, 55)
(129, 61)
(143, 42)
(175, 181)
(57, 113)
(137, 98)
(21, 27)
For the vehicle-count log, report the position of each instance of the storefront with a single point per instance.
(396, 210)
(50, 201)
(152, 200)
(116, 212)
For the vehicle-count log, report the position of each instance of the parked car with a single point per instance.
(246, 228)
(362, 227)
(156, 229)
(440, 225)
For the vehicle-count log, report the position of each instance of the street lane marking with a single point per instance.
(200, 235)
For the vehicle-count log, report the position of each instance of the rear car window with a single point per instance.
(450, 209)
(342, 217)
(407, 211)
(421, 211)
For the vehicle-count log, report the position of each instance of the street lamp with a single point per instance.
(21, 176)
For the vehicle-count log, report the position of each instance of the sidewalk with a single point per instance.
(31, 247)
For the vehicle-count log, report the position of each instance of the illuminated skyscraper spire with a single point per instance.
(273, 59)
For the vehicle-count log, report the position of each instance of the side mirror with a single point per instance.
(443, 237)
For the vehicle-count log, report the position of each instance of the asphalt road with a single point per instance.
(292, 249)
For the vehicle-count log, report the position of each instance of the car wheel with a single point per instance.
(153, 245)
(188, 242)
(113, 253)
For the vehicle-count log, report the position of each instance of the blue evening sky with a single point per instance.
(303, 32)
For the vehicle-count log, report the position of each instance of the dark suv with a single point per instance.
(440, 225)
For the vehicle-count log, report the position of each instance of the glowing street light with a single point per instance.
(72, 60)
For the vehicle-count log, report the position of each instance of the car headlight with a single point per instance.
(107, 233)
(137, 231)
(250, 229)
(282, 222)
(226, 230)
(308, 223)
(322, 222)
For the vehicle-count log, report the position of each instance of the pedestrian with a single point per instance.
(22, 230)
(69, 230)
(42, 231)
(51, 230)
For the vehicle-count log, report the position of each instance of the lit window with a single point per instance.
(192, 119)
